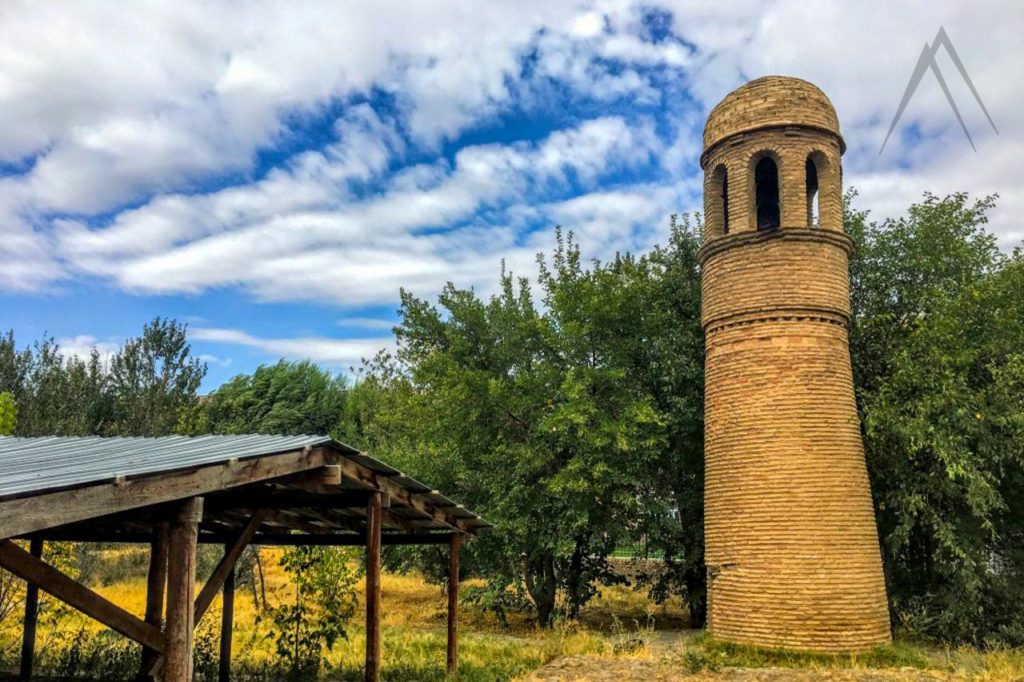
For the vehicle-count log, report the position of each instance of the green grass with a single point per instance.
(635, 552)
(705, 652)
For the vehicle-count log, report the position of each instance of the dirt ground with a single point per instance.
(663, 662)
(596, 669)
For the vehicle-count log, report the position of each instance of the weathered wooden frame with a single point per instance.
(172, 503)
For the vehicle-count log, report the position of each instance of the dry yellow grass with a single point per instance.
(621, 623)
(413, 623)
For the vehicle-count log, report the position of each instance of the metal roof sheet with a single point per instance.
(33, 465)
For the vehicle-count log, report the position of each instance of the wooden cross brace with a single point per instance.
(24, 565)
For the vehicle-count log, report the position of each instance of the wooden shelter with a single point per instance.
(174, 492)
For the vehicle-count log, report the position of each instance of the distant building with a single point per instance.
(791, 543)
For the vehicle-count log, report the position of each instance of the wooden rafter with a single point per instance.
(374, 481)
(287, 499)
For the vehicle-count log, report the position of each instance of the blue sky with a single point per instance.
(274, 176)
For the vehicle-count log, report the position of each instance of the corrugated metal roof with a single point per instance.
(32, 464)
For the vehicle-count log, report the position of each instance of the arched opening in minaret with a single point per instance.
(813, 208)
(719, 208)
(766, 194)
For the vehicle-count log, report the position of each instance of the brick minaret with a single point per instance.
(792, 548)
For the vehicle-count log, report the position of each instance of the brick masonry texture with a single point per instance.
(791, 541)
(770, 101)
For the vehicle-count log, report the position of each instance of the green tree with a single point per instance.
(550, 419)
(668, 363)
(285, 398)
(323, 601)
(8, 414)
(938, 349)
(139, 390)
(55, 394)
(14, 366)
(152, 378)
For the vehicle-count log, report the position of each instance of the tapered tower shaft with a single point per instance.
(791, 542)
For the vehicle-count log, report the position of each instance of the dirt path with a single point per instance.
(663, 662)
(597, 669)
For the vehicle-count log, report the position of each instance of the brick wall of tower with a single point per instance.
(802, 270)
(791, 542)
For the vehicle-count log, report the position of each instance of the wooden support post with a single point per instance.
(181, 589)
(28, 640)
(453, 603)
(373, 524)
(227, 616)
(156, 578)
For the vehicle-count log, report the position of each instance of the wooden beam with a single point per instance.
(266, 538)
(286, 499)
(373, 523)
(227, 617)
(176, 663)
(50, 580)
(453, 604)
(28, 635)
(156, 578)
(375, 481)
(325, 480)
(329, 475)
(28, 514)
(226, 566)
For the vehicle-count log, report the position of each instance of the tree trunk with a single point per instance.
(540, 579)
(697, 594)
(263, 585)
(574, 581)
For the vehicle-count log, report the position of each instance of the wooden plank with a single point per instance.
(28, 635)
(50, 580)
(286, 499)
(330, 475)
(227, 618)
(375, 481)
(156, 578)
(391, 521)
(226, 566)
(29, 514)
(453, 604)
(176, 663)
(269, 539)
(373, 524)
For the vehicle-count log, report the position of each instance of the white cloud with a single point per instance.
(147, 101)
(210, 359)
(342, 353)
(82, 346)
(299, 235)
(366, 323)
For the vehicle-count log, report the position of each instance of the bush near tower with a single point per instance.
(938, 354)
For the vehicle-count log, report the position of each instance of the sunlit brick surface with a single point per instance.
(769, 101)
(791, 543)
